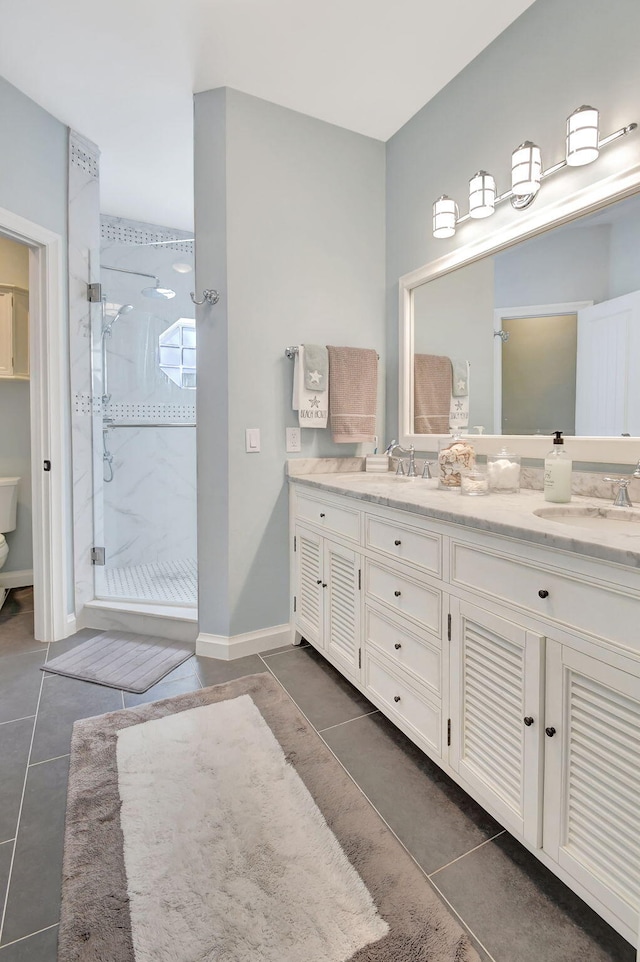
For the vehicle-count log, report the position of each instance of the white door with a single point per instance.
(592, 776)
(342, 605)
(308, 585)
(608, 368)
(496, 714)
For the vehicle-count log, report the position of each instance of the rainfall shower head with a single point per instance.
(164, 293)
(123, 309)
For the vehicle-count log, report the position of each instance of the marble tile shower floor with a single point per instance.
(175, 582)
(514, 909)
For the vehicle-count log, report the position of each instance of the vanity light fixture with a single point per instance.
(445, 217)
(583, 146)
(526, 170)
(482, 195)
(583, 143)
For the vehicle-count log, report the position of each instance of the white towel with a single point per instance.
(459, 413)
(459, 410)
(312, 406)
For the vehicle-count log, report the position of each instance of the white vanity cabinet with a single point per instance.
(327, 578)
(497, 711)
(14, 332)
(513, 665)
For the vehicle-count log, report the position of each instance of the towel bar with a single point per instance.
(291, 352)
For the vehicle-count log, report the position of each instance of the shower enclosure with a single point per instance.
(144, 383)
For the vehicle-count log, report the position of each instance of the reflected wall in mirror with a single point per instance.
(569, 301)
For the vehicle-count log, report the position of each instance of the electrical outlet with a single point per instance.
(294, 443)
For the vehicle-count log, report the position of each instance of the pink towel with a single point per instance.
(353, 394)
(431, 394)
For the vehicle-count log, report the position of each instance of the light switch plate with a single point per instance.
(294, 443)
(252, 438)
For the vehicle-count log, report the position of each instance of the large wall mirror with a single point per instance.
(534, 334)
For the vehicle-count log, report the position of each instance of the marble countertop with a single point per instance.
(511, 515)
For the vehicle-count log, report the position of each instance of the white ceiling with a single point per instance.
(122, 73)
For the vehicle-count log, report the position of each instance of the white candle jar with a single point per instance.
(503, 470)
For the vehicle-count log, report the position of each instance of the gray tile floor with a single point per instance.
(514, 908)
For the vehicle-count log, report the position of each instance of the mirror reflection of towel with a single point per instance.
(460, 385)
(431, 394)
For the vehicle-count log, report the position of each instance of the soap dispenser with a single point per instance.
(557, 472)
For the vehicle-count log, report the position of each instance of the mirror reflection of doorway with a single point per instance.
(535, 389)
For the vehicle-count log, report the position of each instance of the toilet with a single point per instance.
(8, 511)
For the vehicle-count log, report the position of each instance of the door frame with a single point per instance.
(49, 418)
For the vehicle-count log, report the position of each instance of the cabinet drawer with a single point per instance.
(332, 518)
(421, 659)
(589, 606)
(405, 543)
(404, 595)
(419, 715)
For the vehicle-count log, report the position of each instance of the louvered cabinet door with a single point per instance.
(592, 776)
(308, 591)
(496, 714)
(342, 605)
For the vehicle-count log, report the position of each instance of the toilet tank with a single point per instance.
(8, 503)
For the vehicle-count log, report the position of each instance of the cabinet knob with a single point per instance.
(324, 584)
(397, 543)
(543, 593)
(550, 732)
(396, 697)
(322, 514)
(528, 720)
(397, 646)
(397, 593)
(319, 581)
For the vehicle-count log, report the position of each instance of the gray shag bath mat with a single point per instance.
(120, 660)
(127, 798)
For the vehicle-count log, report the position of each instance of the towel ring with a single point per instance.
(209, 297)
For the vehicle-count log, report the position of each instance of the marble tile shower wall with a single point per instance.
(150, 505)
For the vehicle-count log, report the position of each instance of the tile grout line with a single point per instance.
(287, 651)
(464, 854)
(44, 761)
(376, 711)
(24, 788)
(23, 938)
(12, 721)
(7, 841)
(455, 912)
(462, 922)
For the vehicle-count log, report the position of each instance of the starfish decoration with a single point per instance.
(315, 402)
(315, 377)
(459, 405)
(461, 385)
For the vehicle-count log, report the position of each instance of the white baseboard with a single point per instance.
(227, 648)
(175, 624)
(16, 579)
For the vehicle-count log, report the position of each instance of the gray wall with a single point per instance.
(33, 184)
(33, 161)
(523, 86)
(15, 428)
(299, 205)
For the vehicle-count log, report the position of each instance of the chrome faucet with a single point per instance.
(411, 451)
(622, 499)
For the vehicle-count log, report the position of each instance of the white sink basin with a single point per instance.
(607, 520)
